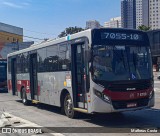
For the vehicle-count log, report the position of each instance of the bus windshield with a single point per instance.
(121, 62)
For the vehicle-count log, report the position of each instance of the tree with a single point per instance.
(144, 28)
(70, 30)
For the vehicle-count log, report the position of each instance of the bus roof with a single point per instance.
(85, 33)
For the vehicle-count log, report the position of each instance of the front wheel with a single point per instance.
(68, 107)
(24, 97)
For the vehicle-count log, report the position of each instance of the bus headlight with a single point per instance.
(101, 95)
(97, 93)
(106, 98)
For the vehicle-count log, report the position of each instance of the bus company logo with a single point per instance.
(131, 89)
(6, 130)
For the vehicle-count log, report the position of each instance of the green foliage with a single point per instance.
(144, 28)
(70, 30)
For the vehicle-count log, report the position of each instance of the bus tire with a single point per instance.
(68, 107)
(24, 97)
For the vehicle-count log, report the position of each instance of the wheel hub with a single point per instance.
(69, 104)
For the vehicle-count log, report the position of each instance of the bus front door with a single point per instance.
(79, 75)
(33, 77)
(14, 76)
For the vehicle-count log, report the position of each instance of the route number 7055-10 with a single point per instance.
(120, 36)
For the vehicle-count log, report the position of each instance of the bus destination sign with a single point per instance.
(121, 36)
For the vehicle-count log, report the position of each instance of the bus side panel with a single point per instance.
(51, 84)
(9, 81)
(23, 81)
(97, 104)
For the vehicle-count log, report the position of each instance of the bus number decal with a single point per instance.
(121, 36)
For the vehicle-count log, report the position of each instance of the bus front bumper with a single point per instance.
(101, 106)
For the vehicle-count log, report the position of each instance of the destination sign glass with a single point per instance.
(121, 36)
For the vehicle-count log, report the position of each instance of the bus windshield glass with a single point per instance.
(121, 62)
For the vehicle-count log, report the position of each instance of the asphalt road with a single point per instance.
(49, 116)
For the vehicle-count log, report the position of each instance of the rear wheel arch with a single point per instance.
(64, 92)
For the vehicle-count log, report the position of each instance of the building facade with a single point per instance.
(150, 13)
(142, 13)
(91, 24)
(154, 14)
(128, 13)
(12, 47)
(145, 12)
(139, 13)
(113, 23)
(10, 34)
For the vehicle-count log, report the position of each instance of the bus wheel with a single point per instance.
(24, 97)
(68, 107)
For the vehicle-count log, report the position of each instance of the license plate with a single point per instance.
(130, 105)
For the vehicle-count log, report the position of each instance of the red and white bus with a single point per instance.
(93, 71)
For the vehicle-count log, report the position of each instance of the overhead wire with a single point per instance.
(38, 32)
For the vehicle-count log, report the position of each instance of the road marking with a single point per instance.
(156, 81)
(27, 123)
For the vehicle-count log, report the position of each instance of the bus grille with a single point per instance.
(123, 104)
(123, 87)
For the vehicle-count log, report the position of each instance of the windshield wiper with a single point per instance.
(120, 57)
(134, 61)
(128, 62)
(123, 59)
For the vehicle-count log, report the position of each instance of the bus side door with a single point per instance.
(14, 76)
(33, 76)
(79, 75)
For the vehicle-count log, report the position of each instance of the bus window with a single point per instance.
(41, 54)
(52, 58)
(64, 57)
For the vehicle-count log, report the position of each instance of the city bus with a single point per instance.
(94, 71)
(3, 75)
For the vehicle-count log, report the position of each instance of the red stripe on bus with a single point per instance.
(22, 83)
(26, 84)
(131, 95)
